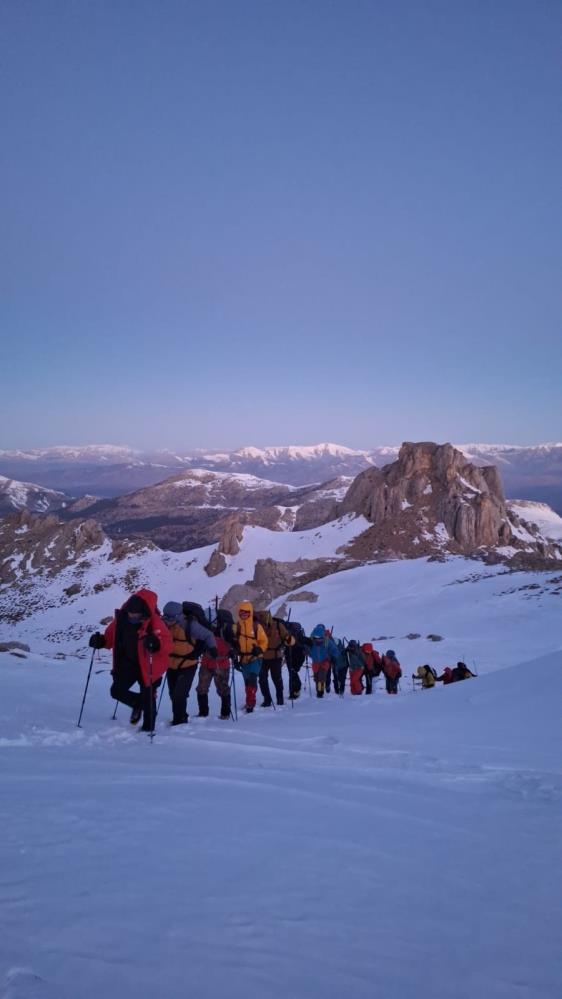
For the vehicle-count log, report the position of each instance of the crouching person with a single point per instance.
(392, 671)
(427, 675)
(250, 644)
(141, 645)
(323, 652)
(190, 638)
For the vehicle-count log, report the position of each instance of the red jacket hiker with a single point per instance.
(153, 624)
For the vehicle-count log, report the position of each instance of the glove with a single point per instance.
(97, 641)
(212, 653)
(151, 643)
(256, 651)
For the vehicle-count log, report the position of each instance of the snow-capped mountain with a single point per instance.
(534, 472)
(190, 508)
(16, 495)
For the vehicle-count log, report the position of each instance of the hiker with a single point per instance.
(190, 639)
(373, 665)
(217, 669)
(392, 671)
(324, 652)
(250, 645)
(462, 672)
(427, 675)
(295, 656)
(278, 637)
(141, 645)
(356, 667)
(339, 668)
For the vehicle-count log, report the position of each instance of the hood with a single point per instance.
(247, 606)
(147, 596)
(172, 610)
(318, 632)
(390, 654)
(367, 647)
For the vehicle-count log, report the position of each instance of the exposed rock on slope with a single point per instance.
(433, 500)
(30, 543)
(196, 507)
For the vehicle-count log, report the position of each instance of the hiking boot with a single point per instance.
(281, 701)
(203, 702)
(266, 704)
(225, 708)
(181, 720)
(294, 695)
(248, 708)
(136, 715)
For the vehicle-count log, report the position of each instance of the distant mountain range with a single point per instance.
(528, 472)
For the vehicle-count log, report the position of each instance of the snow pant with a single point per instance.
(179, 685)
(369, 676)
(250, 671)
(392, 684)
(294, 657)
(146, 699)
(221, 678)
(355, 680)
(273, 666)
(340, 676)
(320, 671)
(222, 684)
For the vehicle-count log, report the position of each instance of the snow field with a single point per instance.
(401, 847)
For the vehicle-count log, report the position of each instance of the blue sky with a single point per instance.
(266, 222)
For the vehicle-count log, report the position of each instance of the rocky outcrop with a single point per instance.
(431, 499)
(216, 564)
(272, 578)
(31, 543)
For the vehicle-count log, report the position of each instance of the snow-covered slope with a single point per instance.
(483, 613)
(15, 495)
(398, 847)
(548, 522)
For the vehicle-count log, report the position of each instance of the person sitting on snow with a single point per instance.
(141, 646)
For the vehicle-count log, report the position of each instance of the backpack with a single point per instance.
(432, 671)
(296, 630)
(191, 609)
(392, 669)
(224, 625)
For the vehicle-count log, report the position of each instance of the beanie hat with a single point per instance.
(172, 611)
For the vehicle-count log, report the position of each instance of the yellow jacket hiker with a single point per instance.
(251, 643)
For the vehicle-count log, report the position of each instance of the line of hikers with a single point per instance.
(146, 645)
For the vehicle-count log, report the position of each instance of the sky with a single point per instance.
(233, 222)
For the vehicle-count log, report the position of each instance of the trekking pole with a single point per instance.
(114, 715)
(86, 689)
(152, 698)
(233, 700)
(161, 696)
